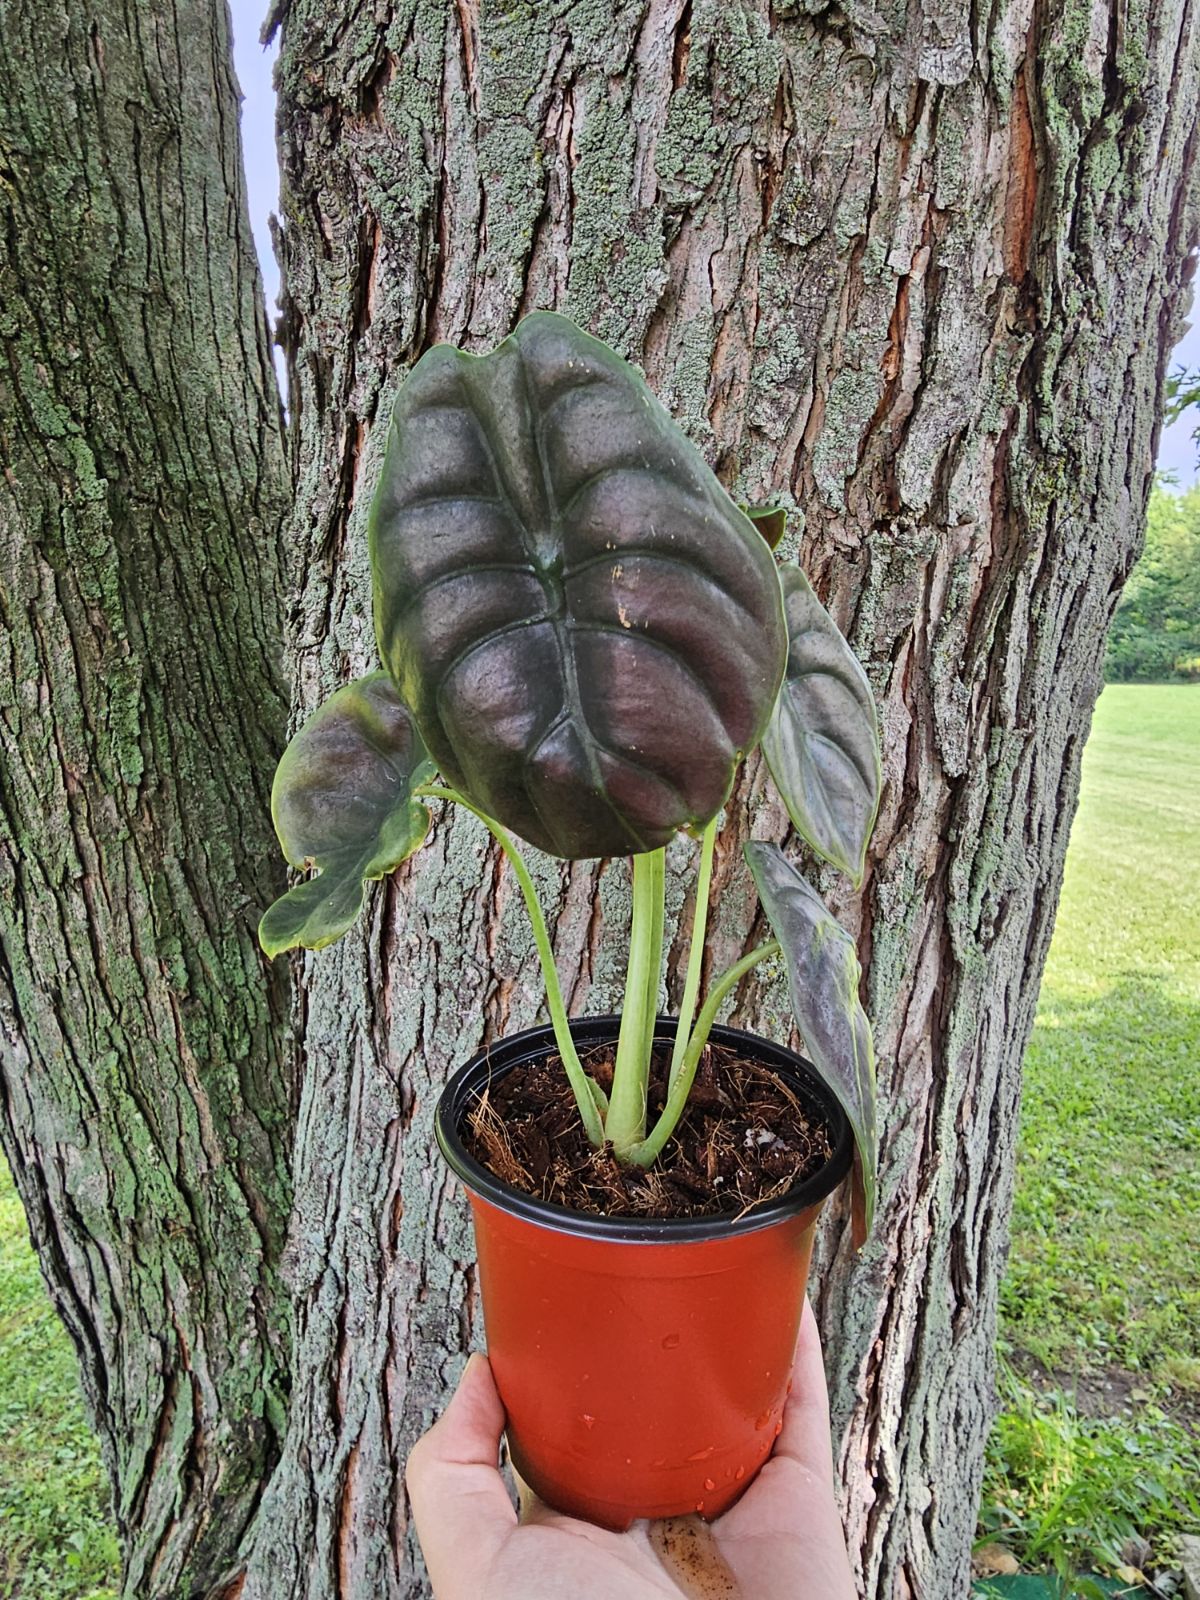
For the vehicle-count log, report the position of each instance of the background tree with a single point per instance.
(1156, 632)
(145, 1069)
(913, 272)
(1182, 397)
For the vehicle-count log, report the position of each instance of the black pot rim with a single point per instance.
(520, 1048)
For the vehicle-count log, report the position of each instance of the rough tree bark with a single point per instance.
(145, 1078)
(912, 269)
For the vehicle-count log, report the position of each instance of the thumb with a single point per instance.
(805, 1436)
(459, 1502)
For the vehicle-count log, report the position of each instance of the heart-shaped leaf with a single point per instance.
(589, 632)
(823, 977)
(822, 743)
(342, 800)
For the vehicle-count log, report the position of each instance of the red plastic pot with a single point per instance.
(643, 1364)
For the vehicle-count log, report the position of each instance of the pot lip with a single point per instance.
(517, 1048)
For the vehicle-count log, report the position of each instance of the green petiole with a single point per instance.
(587, 1094)
(621, 1118)
(658, 897)
(646, 1152)
(625, 1124)
(691, 986)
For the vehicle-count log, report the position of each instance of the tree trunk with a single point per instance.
(912, 271)
(144, 1048)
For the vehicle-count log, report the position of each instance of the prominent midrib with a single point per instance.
(553, 588)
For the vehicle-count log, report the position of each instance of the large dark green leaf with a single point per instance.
(823, 977)
(342, 801)
(589, 632)
(822, 743)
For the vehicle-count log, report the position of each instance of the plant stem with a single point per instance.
(625, 1124)
(658, 886)
(691, 986)
(645, 1152)
(581, 1085)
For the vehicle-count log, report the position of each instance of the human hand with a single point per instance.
(782, 1540)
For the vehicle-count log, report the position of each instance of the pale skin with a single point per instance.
(782, 1541)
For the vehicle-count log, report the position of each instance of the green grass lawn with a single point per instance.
(1106, 1236)
(56, 1541)
(1100, 1313)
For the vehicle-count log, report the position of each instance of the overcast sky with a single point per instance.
(1177, 454)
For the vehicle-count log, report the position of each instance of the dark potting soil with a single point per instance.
(744, 1137)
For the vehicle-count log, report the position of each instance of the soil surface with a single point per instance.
(744, 1137)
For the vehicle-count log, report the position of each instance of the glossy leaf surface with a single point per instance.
(822, 743)
(342, 801)
(823, 978)
(589, 632)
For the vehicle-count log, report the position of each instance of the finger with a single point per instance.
(805, 1435)
(533, 1510)
(459, 1502)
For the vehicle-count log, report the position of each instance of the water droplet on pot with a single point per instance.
(671, 1342)
(778, 1429)
(703, 1455)
(740, 1474)
(588, 1422)
(699, 1505)
(709, 1483)
(762, 1420)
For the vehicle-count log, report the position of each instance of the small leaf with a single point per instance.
(342, 800)
(823, 977)
(598, 1095)
(771, 522)
(822, 743)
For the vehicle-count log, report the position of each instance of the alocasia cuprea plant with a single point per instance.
(585, 636)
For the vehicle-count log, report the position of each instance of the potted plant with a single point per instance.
(585, 636)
